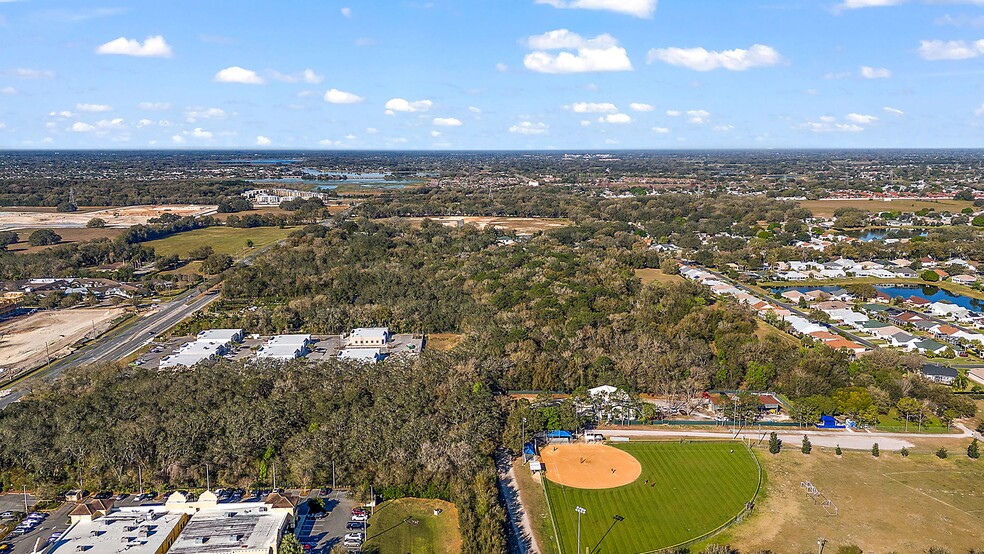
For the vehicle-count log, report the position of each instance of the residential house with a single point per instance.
(940, 373)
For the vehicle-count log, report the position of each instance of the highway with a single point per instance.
(120, 342)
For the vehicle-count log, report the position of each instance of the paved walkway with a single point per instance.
(848, 440)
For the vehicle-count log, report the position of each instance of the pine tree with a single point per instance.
(874, 450)
(774, 443)
(838, 450)
(974, 450)
(904, 452)
(807, 447)
(941, 453)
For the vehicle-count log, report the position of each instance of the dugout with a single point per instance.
(554, 437)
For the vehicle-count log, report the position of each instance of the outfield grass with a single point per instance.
(390, 530)
(698, 488)
(224, 240)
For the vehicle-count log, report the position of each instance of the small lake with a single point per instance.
(365, 180)
(875, 235)
(931, 293)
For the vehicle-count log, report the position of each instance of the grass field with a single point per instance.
(826, 208)
(78, 234)
(648, 276)
(886, 504)
(391, 530)
(693, 489)
(224, 240)
(443, 342)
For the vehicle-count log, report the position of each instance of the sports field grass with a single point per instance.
(391, 530)
(826, 208)
(693, 489)
(223, 240)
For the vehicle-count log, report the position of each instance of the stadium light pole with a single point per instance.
(580, 512)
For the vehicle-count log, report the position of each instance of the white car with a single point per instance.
(360, 517)
(354, 537)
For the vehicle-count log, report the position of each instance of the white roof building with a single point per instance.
(366, 355)
(193, 353)
(134, 530)
(285, 347)
(221, 335)
(371, 336)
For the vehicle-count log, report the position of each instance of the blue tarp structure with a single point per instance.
(828, 422)
(559, 435)
(529, 450)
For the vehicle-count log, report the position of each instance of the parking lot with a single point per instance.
(56, 521)
(325, 533)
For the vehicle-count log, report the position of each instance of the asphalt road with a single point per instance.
(119, 343)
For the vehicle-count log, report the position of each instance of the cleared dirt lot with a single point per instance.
(22, 340)
(114, 217)
(826, 208)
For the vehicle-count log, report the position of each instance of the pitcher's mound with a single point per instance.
(589, 466)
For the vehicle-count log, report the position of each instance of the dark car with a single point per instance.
(326, 491)
(356, 525)
(103, 495)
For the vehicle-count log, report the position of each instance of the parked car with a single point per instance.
(103, 495)
(352, 525)
(360, 517)
(354, 537)
(54, 537)
(120, 496)
(6, 547)
(325, 491)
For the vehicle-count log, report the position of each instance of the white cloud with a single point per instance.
(674, 113)
(862, 119)
(585, 123)
(435, 133)
(616, 118)
(474, 109)
(308, 76)
(236, 74)
(723, 128)
(347, 12)
(698, 117)
(828, 124)
(601, 53)
(80, 127)
(144, 123)
(501, 67)
(153, 47)
(178, 139)
(3, 126)
(700, 59)
(661, 130)
(858, 4)
(371, 130)
(194, 114)
(592, 107)
(640, 107)
(350, 137)
(406, 106)
(894, 111)
(63, 114)
(875, 72)
(110, 123)
(25, 73)
(93, 108)
(8, 90)
(154, 106)
(263, 141)
(637, 8)
(447, 122)
(335, 96)
(530, 128)
(961, 20)
(200, 133)
(935, 50)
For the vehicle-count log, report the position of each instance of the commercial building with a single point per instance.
(369, 337)
(285, 347)
(366, 355)
(137, 530)
(244, 528)
(208, 345)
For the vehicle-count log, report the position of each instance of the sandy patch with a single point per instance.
(114, 217)
(22, 340)
(589, 466)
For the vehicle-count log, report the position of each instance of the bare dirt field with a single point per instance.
(826, 208)
(589, 466)
(650, 275)
(79, 234)
(114, 217)
(884, 504)
(22, 340)
(443, 342)
(521, 225)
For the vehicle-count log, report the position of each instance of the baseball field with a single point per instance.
(664, 493)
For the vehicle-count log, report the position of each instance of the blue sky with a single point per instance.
(491, 74)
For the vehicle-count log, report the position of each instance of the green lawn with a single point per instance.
(391, 530)
(224, 240)
(893, 423)
(698, 488)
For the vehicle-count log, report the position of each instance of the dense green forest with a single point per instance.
(426, 427)
(114, 192)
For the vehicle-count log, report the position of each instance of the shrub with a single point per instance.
(850, 549)
(974, 450)
(807, 447)
(96, 223)
(838, 450)
(941, 453)
(904, 452)
(874, 450)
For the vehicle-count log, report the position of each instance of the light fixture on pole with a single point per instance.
(580, 512)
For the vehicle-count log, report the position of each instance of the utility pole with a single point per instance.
(140, 477)
(333, 475)
(208, 480)
(26, 508)
(580, 512)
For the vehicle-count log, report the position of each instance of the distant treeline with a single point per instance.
(111, 192)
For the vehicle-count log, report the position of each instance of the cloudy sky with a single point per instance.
(491, 74)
